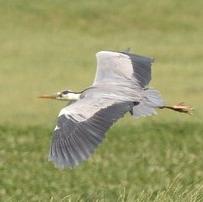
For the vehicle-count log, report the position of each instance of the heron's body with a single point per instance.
(120, 86)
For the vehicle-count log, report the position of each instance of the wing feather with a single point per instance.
(121, 66)
(141, 67)
(75, 140)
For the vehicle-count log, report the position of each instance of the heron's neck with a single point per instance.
(73, 96)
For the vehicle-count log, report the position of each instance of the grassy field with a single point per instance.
(47, 46)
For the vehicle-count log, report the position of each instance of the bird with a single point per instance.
(121, 85)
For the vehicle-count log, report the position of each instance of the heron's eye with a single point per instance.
(65, 92)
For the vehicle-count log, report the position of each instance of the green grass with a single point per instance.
(47, 46)
(151, 161)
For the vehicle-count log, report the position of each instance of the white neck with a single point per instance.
(73, 96)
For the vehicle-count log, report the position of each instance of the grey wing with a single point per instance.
(141, 67)
(81, 127)
(120, 66)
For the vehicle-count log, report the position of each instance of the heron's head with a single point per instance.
(63, 95)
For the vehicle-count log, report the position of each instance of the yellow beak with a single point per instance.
(48, 96)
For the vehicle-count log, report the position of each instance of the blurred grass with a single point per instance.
(47, 46)
(153, 160)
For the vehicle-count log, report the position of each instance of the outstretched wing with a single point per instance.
(81, 127)
(120, 66)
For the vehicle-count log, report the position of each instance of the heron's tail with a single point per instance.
(152, 100)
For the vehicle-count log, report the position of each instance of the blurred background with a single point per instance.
(47, 46)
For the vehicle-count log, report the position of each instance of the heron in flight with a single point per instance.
(120, 86)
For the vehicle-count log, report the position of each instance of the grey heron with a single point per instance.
(120, 86)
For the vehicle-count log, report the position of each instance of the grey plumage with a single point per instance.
(142, 68)
(149, 103)
(119, 83)
(74, 140)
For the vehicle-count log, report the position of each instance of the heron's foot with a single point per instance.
(180, 107)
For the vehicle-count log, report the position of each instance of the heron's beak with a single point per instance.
(49, 96)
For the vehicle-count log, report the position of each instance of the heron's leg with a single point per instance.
(181, 107)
